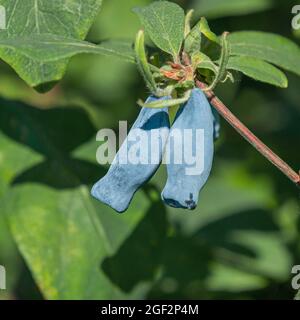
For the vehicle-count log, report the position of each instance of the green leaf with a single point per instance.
(258, 70)
(67, 18)
(266, 46)
(221, 8)
(223, 61)
(192, 42)
(165, 23)
(202, 61)
(142, 61)
(205, 29)
(232, 279)
(165, 103)
(47, 48)
(187, 22)
(65, 236)
(9, 254)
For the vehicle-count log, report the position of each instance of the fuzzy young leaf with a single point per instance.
(31, 17)
(187, 24)
(266, 46)
(165, 103)
(223, 61)
(45, 48)
(142, 62)
(258, 70)
(192, 42)
(165, 23)
(202, 61)
(205, 29)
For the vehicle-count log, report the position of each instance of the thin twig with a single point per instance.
(249, 136)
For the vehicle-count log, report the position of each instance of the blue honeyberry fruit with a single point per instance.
(119, 185)
(182, 188)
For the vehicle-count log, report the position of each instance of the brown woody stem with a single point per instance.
(249, 136)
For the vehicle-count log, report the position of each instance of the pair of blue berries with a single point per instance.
(119, 185)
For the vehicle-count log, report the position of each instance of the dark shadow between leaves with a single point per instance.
(186, 266)
(218, 233)
(54, 133)
(70, 173)
(48, 132)
(139, 257)
(26, 287)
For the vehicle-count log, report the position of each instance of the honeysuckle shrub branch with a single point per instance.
(187, 55)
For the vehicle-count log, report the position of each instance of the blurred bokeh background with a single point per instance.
(58, 243)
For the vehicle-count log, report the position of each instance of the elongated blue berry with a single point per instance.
(189, 152)
(148, 136)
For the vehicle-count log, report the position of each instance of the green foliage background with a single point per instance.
(56, 242)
